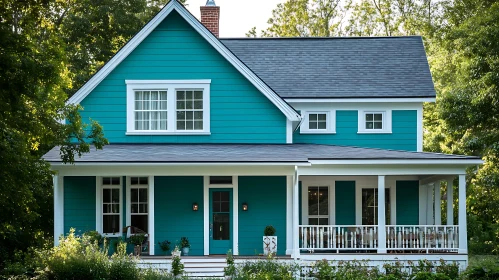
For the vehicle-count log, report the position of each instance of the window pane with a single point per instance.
(198, 125)
(378, 125)
(321, 117)
(180, 115)
(106, 208)
(198, 115)
(115, 196)
(312, 125)
(323, 221)
(106, 195)
(143, 208)
(224, 206)
(369, 125)
(134, 208)
(313, 221)
(321, 125)
(134, 180)
(378, 117)
(189, 125)
(198, 95)
(323, 201)
(369, 117)
(115, 208)
(180, 95)
(143, 180)
(180, 105)
(106, 181)
(220, 180)
(110, 223)
(134, 195)
(115, 181)
(142, 195)
(181, 125)
(221, 227)
(313, 201)
(312, 117)
(198, 104)
(189, 95)
(140, 221)
(216, 206)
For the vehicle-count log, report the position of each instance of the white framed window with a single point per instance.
(318, 205)
(138, 202)
(109, 206)
(317, 122)
(375, 121)
(370, 206)
(163, 107)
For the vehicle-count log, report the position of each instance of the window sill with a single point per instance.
(166, 133)
(112, 235)
(317, 132)
(374, 132)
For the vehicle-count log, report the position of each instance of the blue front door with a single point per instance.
(220, 221)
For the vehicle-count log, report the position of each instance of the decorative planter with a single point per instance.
(269, 245)
(185, 251)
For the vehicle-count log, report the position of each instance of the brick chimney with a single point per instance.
(210, 16)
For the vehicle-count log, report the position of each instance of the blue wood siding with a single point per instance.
(345, 202)
(79, 204)
(173, 217)
(175, 51)
(403, 136)
(407, 202)
(266, 198)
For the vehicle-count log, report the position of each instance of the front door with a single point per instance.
(220, 221)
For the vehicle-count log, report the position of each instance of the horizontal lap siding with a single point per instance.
(407, 202)
(266, 198)
(173, 217)
(174, 51)
(403, 136)
(79, 204)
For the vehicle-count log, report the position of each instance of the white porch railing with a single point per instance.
(359, 238)
(422, 237)
(338, 238)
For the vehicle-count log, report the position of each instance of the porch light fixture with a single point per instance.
(195, 206)
(245, 206)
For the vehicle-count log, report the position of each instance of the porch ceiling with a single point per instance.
(254, 153)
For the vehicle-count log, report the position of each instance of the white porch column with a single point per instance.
(381, 215)
(429, 205)
(463, 234)
(423, 198)
(450, 202)
(438, 204)
(150, 221)
(296, 251)
(289, 215)
(58, 207)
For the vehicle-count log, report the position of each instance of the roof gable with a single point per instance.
(173, 5)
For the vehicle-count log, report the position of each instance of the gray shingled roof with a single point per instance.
(177, 153)
(362, 67)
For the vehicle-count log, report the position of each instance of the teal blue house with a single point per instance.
(214, 139)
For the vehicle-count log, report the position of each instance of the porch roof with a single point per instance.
(248, 153)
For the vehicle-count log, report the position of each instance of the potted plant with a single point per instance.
(164, 245)
(269, 241)
(184, 244)
(137, 240)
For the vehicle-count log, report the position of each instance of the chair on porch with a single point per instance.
(129, 231)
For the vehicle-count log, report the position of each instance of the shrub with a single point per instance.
(230, 270)
(164, 245)
(483, 270)
(269, 231)
(177, 267)
(269, 268)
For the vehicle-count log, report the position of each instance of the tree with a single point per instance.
(32, 101)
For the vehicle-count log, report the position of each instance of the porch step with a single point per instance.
(204, 267)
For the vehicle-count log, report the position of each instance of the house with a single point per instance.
(214, 139)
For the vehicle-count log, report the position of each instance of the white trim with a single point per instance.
(332, 203)
(187, 164)
(289, 132)
(296, 220)
(438, 203)
(423, 189)
(304, 203)
(429, 204)
(463, 235)
(463, 161)
(386, 118)
(419, 129)
(58, 182)
(450, 202)
(368, 184)
(128, 218)
(393, 203)
(171, 87)
(99, 211)
(289, 215)
(330, 122)
(287, 110)
(361, 100)
(235, 215)
(150, 201)
(381, 215)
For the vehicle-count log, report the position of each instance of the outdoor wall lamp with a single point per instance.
(195, 206)
(245, 206)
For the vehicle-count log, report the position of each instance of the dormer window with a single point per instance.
(318, 122)
(375, 121)
(168, 107)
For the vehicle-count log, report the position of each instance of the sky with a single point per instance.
(238, 16)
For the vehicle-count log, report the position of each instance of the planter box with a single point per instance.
(269, 245)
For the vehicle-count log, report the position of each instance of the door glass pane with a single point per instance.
(224, 206)
(323, 201)
(313, 201)
(221, 226)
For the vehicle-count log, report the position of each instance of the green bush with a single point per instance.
(269, 268)
(484, 269)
